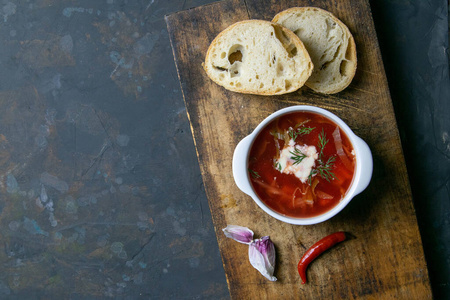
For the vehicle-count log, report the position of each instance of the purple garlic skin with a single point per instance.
(239, 234)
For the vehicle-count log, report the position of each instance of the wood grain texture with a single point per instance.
(385, 259)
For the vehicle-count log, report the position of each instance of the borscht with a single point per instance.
(301, 164)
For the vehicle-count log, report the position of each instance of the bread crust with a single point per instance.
(254, 73)
(320, 78)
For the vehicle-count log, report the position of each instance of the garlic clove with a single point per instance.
(261, 253)
(239, 234)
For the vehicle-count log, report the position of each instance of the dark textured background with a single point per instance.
(100, 190)
(413, 37)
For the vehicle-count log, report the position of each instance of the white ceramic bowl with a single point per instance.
(361, 177)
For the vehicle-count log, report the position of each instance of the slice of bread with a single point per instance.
(258, 57)
(329, 43)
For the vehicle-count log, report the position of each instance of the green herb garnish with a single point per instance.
(322, 142)
(298, 156)
(278, 166)
(324, 168)
(254, 173)
(293, 134)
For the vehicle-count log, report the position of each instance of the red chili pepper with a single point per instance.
(317, 249)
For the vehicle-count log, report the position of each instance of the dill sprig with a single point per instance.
(298, 156)
(254, 174)
(324, 168)
(322, 142)
(293, 134)
(278, 166)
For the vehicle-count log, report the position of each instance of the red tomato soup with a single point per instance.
(301, 164)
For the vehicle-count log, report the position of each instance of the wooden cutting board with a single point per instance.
(385, 258)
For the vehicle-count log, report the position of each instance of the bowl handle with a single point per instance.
(240, 173)
(366, 165)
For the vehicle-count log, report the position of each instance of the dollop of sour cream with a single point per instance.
(285, 163)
